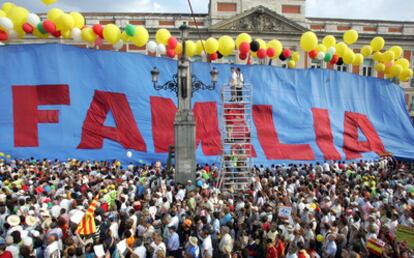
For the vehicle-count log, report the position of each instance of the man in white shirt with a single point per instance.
(207, 246)
(140, 249)
(239, 84)
(158, 246)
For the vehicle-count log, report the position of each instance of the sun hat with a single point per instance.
(193, 240)
(13, 220)
(31, 221)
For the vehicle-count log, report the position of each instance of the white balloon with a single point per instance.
(6, 23)
(321, 55)
(152, 46)
(129, 154)
(119, 45)
(76, 34)
(33, 19)
(204, 54)
(331, 50)
(161, 49)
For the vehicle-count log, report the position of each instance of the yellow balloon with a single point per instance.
(277, 46)
(397, 50)
(7, 6)
(48, 2)
(125, 38)
(211, 45)
(18, 16)
(2, 13)
(366, 50)
(405, 64)
(395, 70)
(179, 48)
(112, 33)
(88, 35)
(226, 45)
(291, 64)
(308, 41)
(190, 48)
(54, 14)
(379, 67)
(377, 56)
(243, 37)
(388, 56)
(329, 41)
(406, 74)
(377, 43)
(66, 34)
(350, 36)
(321, 48)
(140, 38)
(349, 56)
(78, 18)
(66, 22)
(162, 36)
(295, 56)
(341, 47)
(359, 59)
(319, 238)
(199, 46)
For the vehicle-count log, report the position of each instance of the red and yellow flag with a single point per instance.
(87, 225)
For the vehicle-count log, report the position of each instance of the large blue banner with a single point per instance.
(64, 102)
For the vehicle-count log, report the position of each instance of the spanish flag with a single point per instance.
(87, 225)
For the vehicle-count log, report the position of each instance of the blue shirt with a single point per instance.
(173, 242)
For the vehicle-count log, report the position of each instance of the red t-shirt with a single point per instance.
(280, 248)
(6, 254)
(271, 252)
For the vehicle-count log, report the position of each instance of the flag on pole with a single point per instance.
(87, 225)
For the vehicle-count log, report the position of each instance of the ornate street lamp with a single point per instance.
(184, 84)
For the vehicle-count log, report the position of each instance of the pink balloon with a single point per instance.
(389, 64)
(98, 41)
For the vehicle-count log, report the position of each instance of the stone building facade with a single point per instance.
(284, 20)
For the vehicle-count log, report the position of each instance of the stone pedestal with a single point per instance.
(184, 132)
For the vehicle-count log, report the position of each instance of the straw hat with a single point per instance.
(13, 220)
(193, 240)
(31, 221)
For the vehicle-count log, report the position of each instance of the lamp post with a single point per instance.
(184, 84)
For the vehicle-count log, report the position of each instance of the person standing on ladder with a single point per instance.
(239, 85)
(233, 84)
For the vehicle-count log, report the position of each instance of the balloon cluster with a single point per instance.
(16, 22)
(389, 62)
(259, 48)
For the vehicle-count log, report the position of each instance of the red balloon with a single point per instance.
(242, 56)
(334, 59)
(49, 26)
(171, 52)
(98, 29)
(213, 56)
(244, 47)
(287, 53)
(313, 53)
(261, 53)
(57, 34)
(270, 52)
(27, 28)
(3, 36)
(172, 42)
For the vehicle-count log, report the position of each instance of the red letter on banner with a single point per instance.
(352, 147)
(26, 116)
(205, 114)
(126, 131)
(163, 112)
(267, 135)
(323, 132)
(207, 131)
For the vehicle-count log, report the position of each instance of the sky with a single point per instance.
(399, 10)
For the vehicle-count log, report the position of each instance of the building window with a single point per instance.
(342, 68)
(367, 67)
(316, 64)
(290, 8)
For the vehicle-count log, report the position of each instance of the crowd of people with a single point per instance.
(334, 209)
